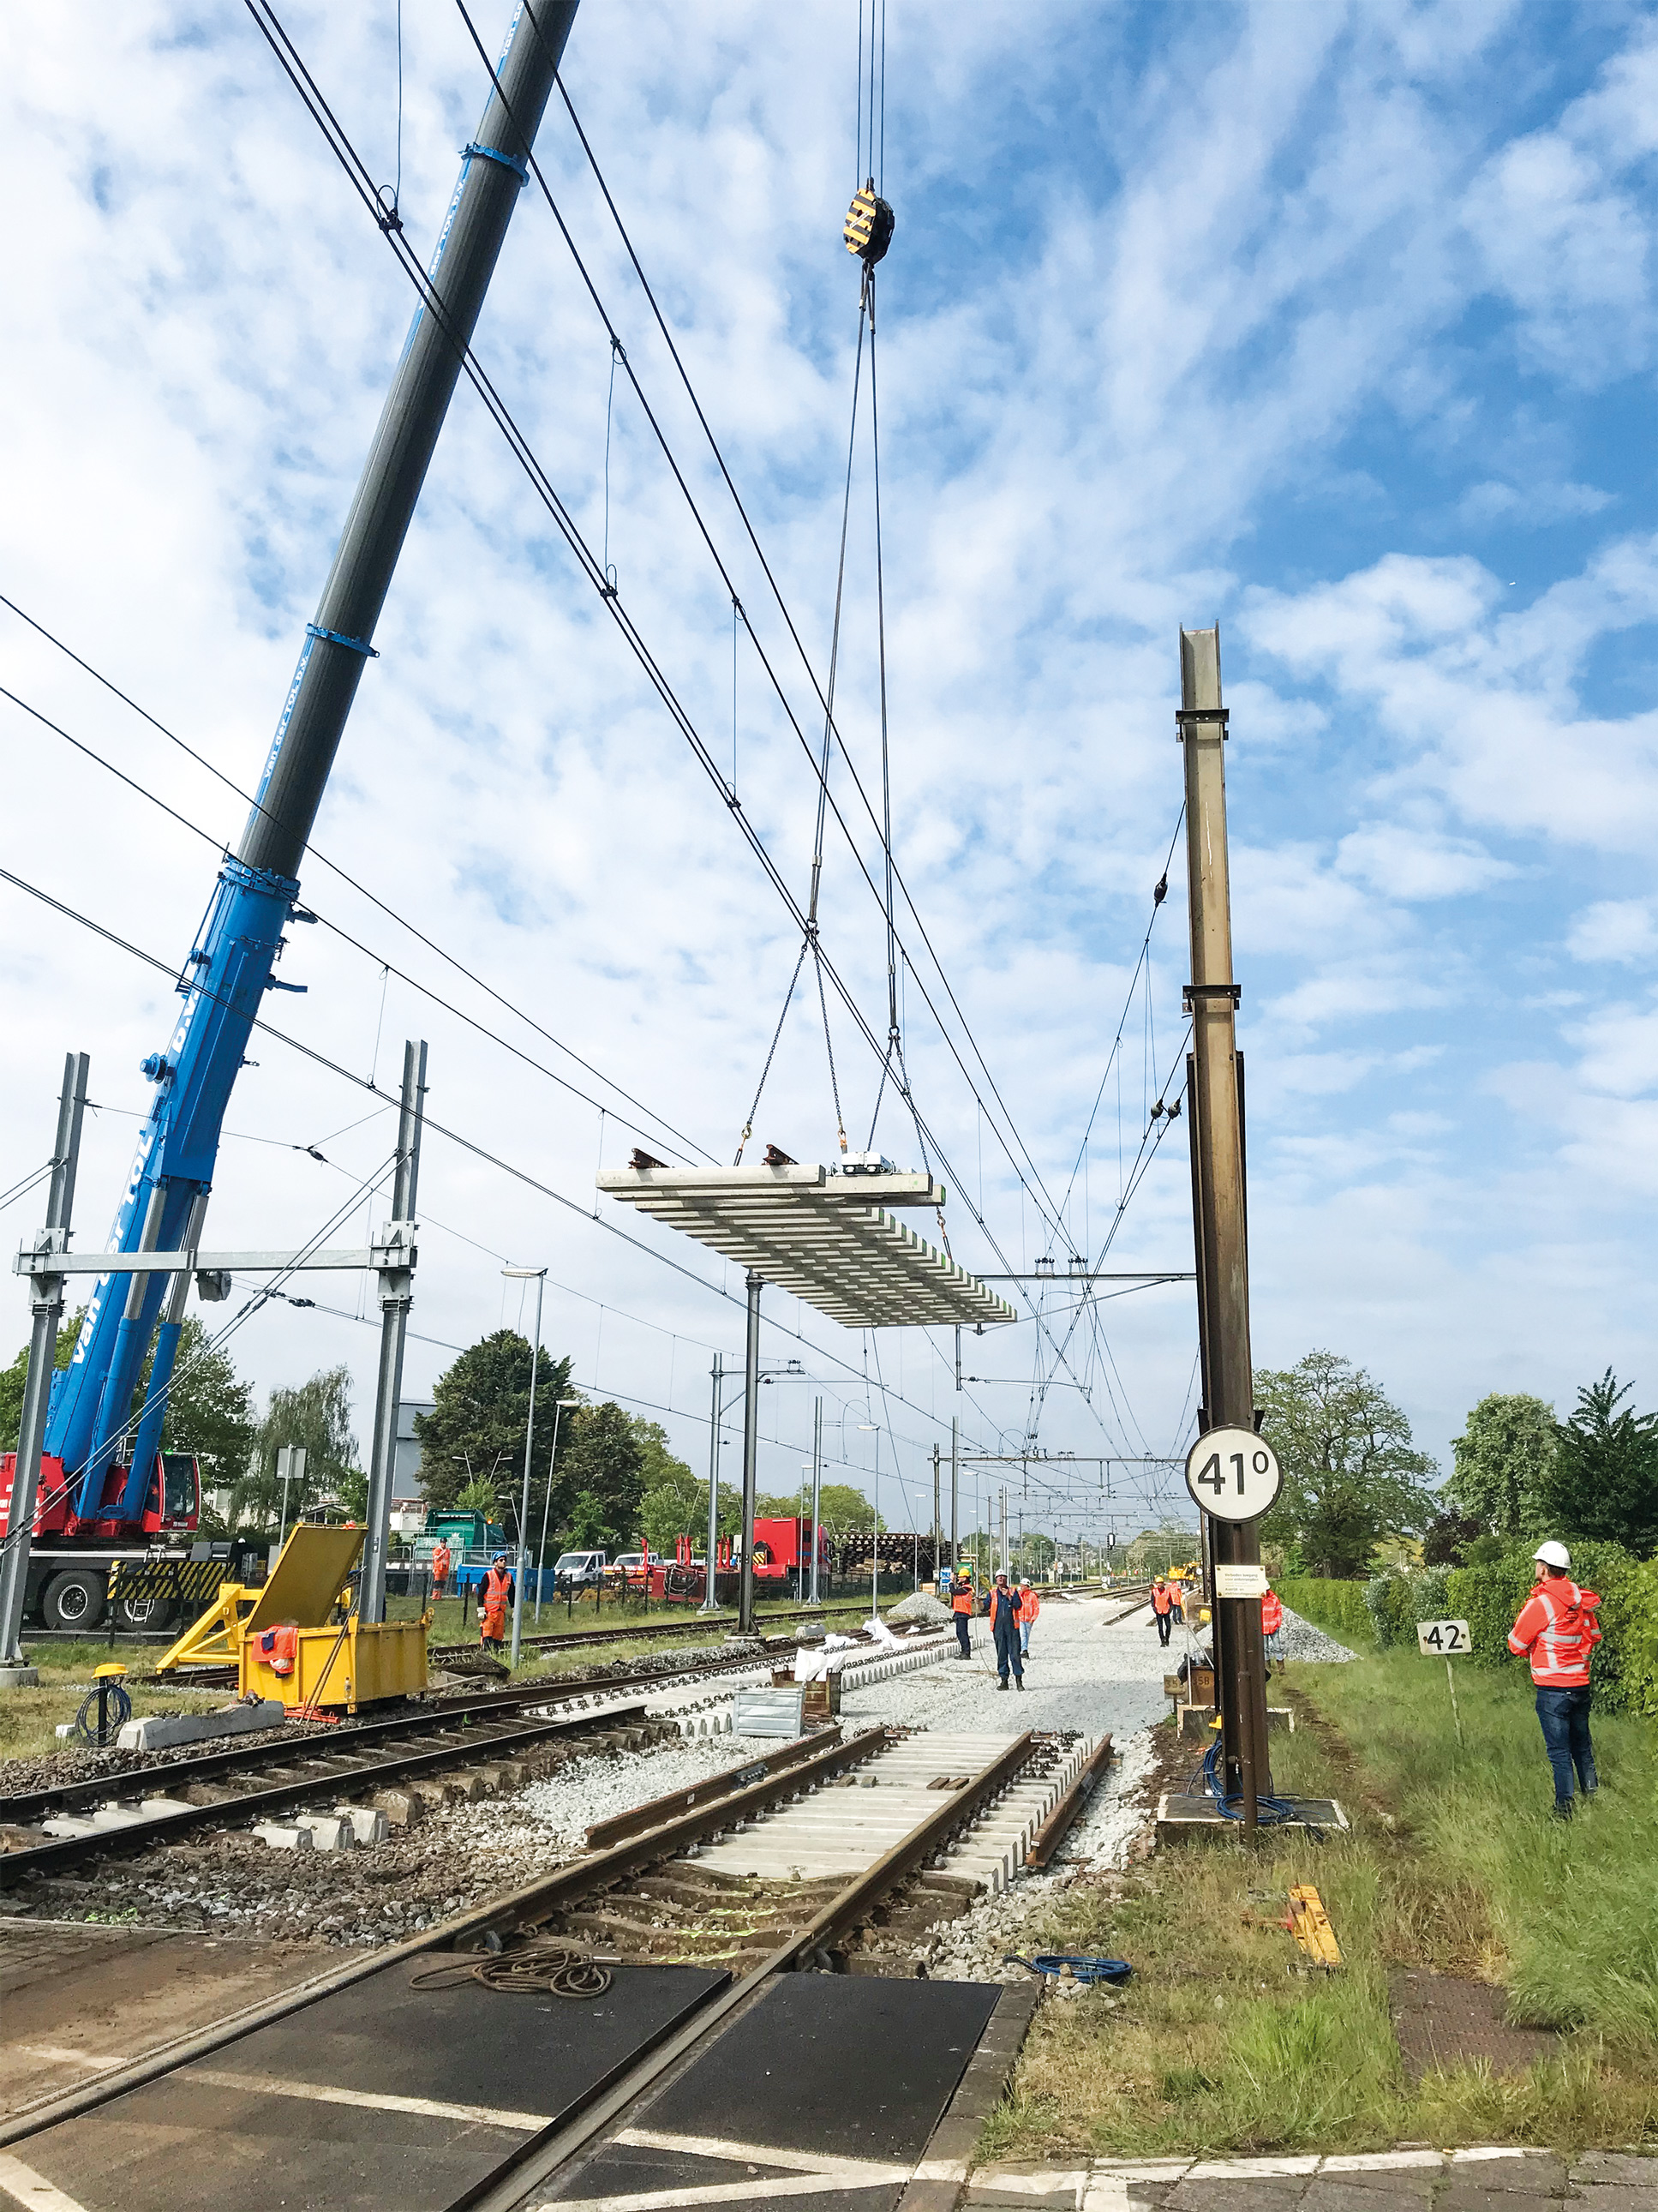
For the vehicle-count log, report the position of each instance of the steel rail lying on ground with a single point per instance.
(1054, 1829)
(714, 1789)
(574, 1639)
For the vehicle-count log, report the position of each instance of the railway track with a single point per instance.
(45, 1830)
(699, 1960)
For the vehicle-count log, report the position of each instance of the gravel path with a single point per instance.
(1091, 1668)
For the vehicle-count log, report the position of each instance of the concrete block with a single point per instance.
(154, 1808)
(368, 1824)
(160, 1731)
(283, 1838)
(118, 1816)
(68, 1824)
(329, 1832)
(402, 1809)
(20, 1678)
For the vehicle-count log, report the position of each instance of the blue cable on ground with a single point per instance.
(1269, 1811)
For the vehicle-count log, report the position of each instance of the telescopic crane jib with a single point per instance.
(229, 969)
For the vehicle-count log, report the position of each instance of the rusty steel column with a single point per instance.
(1219, 1220)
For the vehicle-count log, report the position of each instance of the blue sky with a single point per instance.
(1334, 324)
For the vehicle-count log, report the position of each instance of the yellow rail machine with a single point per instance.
(297, 1639)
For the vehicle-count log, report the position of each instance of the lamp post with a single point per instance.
(560, 1406)
(538, 1277)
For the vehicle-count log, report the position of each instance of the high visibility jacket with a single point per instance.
(1003, 1608)
(1162, 1600)
(961, 1597)
(1028, 1605)
(278, 1647)
(440, 1563)
(1272, 1612)
(493, 1600)
(1558, 1627)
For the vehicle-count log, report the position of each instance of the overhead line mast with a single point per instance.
(228, 970)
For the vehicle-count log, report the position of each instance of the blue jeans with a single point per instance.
(1007, 1650)
(1565, 1714)
(1025, 1628)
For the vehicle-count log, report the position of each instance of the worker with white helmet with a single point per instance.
(1556, 1629)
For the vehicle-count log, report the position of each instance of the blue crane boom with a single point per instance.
(229, 967)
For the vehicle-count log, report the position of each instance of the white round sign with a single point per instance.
(1233, 1473)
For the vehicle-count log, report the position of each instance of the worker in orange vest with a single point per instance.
(1162, 1608)
(1272, 1619)
(493, 1599)
(961, 1607)
(1556, 1629)
(441, 1562)
(1029, 1606)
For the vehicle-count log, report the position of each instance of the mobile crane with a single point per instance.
(100, 1488)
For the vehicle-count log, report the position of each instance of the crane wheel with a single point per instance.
(75, 1600)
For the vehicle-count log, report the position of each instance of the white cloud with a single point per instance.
(1614, 929)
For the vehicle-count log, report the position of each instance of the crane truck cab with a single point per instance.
(81, 1567)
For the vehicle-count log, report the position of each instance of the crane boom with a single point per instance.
(228, 969)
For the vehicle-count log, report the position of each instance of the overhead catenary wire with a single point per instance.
(345, 154)
(659, 1121)
(705, 533)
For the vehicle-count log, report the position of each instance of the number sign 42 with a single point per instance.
(1443, 1639)
(1233, 1474)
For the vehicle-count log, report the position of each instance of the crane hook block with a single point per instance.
(869, 226)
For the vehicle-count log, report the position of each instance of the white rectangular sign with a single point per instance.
(1240, 1582)
(1443, 1639)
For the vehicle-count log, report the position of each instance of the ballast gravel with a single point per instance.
(1299, 1640)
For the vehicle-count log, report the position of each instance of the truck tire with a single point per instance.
(140, 1612)
(75, 1600)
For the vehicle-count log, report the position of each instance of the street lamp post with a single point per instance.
(538, 1277)
(560, 1406)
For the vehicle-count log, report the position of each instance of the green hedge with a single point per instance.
(1337, 1607)
(1625, 1661)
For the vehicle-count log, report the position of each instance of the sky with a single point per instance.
(1333, 324)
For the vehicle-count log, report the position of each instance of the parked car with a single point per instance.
(576, 1571)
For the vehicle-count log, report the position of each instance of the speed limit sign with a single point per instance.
(1231, 1473)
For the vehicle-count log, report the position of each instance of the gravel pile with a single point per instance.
(1299, 1640)
(929, 1611)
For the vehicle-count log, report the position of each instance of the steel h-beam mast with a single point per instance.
(710, 1601)
(229, 969)
(47, 1299)
(1220, 1219)
(750, 1457)
(397, 1294)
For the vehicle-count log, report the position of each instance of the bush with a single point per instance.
(1337, 1607)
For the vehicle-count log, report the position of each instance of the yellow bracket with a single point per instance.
(216, 1635)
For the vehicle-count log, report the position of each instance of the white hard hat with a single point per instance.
(1552, 1554)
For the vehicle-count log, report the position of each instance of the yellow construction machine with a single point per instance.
(297, 1638)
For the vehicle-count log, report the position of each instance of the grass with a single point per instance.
(1227, 2041)
(30, 1718)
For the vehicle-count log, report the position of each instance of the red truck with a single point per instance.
(71, 1560)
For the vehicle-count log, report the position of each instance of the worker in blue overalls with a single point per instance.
(1003, 1608)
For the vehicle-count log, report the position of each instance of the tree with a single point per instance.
(13, 1378)
(1352, 1475)
(1603, 1481)
(318, 1415)
(844, 1511)
(1501, 1460)
(209, 1409)
(1447, 1538)
(600, 1486)
(479, 1419)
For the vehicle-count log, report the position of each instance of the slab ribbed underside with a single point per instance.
(818, 1237)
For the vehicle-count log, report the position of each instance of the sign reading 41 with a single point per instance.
(1233, 1474)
